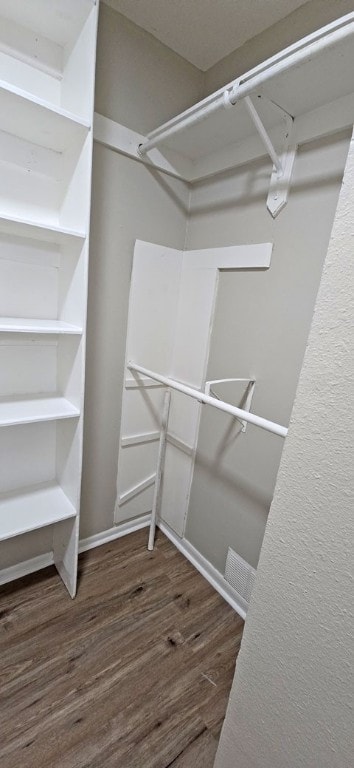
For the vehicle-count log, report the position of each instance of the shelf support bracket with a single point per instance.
(247, 402)
(283, 162)
(265, 138)
(279, 187)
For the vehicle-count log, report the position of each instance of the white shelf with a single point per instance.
(321, 81)
(30, 325)
(33, 508)
(36, 230)
(47, 76)
(26, 410)
(38, 121)
(57, 20)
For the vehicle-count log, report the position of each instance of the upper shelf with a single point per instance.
(35, 408)
(31, 230)
(59, 21)
(45, 50)
(38, 121)
(32, 508)
(30, 325)
(300, 81)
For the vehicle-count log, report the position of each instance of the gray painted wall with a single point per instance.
(306, 19)
(139, 82)
(260, 330)
(130, 201)
(292, 700)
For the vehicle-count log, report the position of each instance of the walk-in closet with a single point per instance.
(176, 337)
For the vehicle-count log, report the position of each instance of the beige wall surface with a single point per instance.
(306, 19)
(292, 700)
(130, 201)
(139, 82)
(260, 330)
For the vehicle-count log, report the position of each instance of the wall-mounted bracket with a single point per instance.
(280, 182)
(247, 402)
(280, 185)
(282, 162)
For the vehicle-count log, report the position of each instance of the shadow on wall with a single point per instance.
(248, 184)
(165, 182)
(232, 482)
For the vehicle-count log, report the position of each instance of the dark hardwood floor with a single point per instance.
(134, 673)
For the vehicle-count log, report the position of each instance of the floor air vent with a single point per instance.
(239, 574)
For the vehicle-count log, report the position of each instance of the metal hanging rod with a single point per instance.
(201, 397)
(299, 53)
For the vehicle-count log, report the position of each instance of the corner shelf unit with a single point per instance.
(47, 67)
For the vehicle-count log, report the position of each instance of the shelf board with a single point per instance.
(38, 121)
(31, 508)
(26, 410)
(57, 20)
(321, 80)
(35, 230)
(30, 325)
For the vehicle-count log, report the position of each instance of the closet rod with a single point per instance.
(257, 421)
(300, 53)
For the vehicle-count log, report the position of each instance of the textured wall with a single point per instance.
(292, 699)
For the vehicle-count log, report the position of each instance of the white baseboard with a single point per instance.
(114, 533)
(42, 561)
(211, 574)
(26, 567)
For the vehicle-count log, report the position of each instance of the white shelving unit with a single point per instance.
(47, 66)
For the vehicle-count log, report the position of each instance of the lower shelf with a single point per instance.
(33, 508)
(29, 325)
(26, 410)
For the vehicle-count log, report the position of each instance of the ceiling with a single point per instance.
(204, 31)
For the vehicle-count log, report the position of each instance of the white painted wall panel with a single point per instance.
(171, 309)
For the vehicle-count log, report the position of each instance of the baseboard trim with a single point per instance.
(211, 574)
(104, 537)
(42, 561)
(26, 567)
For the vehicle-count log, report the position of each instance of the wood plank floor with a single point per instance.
(134, 673)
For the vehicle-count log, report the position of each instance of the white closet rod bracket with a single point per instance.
(279, 186)
(251, 383)
(257, 122)
(201, 397)
(282, 165)
(297, 54)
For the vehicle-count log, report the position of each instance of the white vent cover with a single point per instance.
(239, 574)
